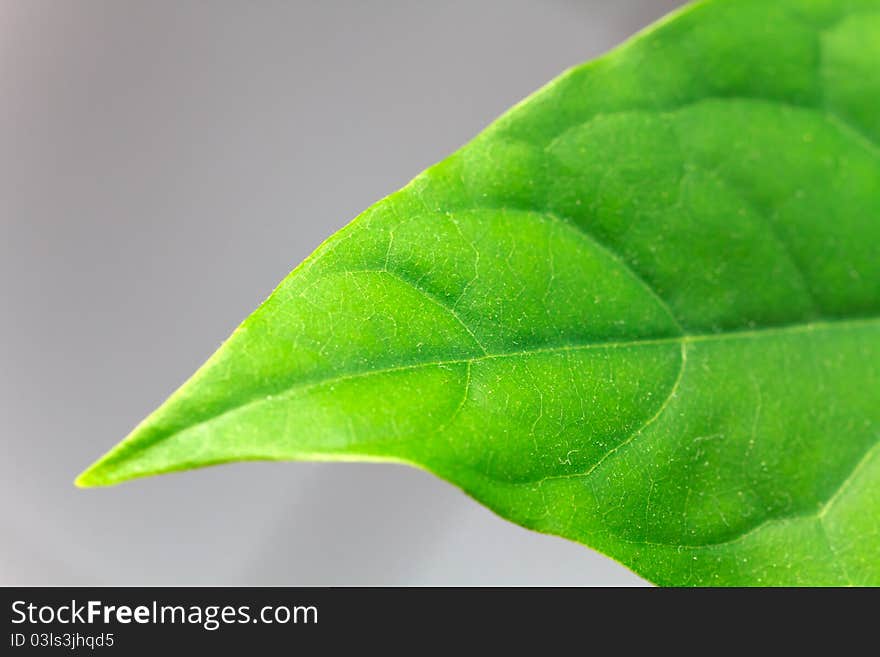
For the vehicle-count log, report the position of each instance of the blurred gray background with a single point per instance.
(162, 166)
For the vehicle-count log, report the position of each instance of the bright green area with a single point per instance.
(641, 311)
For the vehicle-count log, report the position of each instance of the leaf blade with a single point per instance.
(559, 298)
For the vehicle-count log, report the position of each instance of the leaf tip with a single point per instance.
(85, 480)
(92, 477)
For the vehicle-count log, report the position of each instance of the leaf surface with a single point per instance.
(641, 310)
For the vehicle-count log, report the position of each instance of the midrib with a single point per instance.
(687, 338)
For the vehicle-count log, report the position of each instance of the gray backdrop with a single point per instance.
(162, 166)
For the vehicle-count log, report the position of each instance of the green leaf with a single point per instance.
(641, 310)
